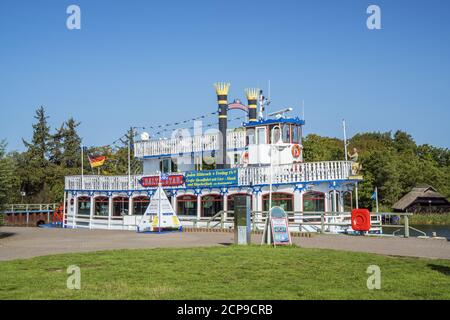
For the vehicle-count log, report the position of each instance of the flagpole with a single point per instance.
(129, 158)
(345, 139)
(159, 202)
(376, 198)
(82, 165)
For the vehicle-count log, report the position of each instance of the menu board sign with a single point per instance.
(280, 231)
(211, 178)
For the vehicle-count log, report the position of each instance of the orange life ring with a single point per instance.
(296, 150)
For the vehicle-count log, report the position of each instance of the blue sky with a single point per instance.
(143, 63)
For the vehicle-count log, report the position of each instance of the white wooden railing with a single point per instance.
(283, 174)
(292, 173)
(171, 146)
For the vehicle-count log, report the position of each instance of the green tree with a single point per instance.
(317, 148)
(35, 163)
(56, 147)
(38, 149)
(6, 175)
(72, 144)
(404, 143)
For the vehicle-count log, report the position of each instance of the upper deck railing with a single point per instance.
(174, 146)
(247, 176)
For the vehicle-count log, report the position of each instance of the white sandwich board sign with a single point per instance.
(159, 215)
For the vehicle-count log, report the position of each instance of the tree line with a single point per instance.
(392, 162)
(36, 175)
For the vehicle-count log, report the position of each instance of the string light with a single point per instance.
(166, 128)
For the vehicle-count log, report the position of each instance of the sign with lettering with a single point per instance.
(212, 178)
(166, 181)
(280, 231)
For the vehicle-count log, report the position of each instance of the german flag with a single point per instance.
(97, 161)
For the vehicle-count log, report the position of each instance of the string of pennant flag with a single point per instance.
(96, 155)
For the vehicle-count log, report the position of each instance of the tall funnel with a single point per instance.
(222, 100)
(252, 97)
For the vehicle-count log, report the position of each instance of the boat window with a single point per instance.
(313, 201)
(279, 199)
(286, 133)
(295, 134)
(187, 205)
(261, 135)
(140, 205)
(275, 135)
(251, 136)
(165, 165)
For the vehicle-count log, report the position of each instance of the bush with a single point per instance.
(430, 219)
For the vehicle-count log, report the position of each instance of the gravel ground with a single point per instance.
(21, 242)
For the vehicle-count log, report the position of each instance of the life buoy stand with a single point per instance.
(361, 220)
(296, 150)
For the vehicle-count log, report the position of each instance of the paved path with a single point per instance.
(24, 242)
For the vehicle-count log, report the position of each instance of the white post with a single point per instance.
(75, 210)
(199, 206)
(159, 202)
(174, 203)
(64, 208)
(110, 210)
(130, 206)
(225, 205)
(356, 196)
(334, 209)
(92, 210)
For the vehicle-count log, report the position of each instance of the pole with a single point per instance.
(271, 178)
(356, 196)
(82, 166)
(63, 224)
(269, 233)
(129, 157)
(406, 226)
(159, 202)
(345, 139)
(376, 198)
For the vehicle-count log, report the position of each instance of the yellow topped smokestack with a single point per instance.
(222, 100)
(252, 97)
(252, 93)
(222, 88)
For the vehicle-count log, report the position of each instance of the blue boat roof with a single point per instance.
(295, 120)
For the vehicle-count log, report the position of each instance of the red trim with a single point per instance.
(121, 200)
(187, 198)
(141, 199)
(216, 198)
(290, 195)
(101, 200)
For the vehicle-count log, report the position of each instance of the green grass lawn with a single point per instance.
(231, 272)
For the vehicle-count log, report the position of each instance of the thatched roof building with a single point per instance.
(423, 198)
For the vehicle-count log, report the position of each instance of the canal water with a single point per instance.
(441, 230)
